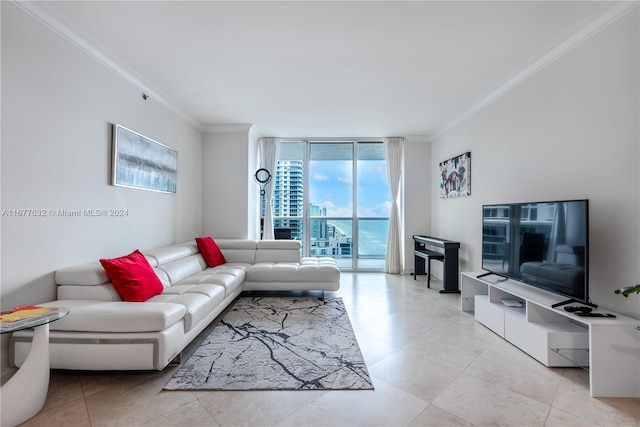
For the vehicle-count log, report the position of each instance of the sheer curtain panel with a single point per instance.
(393, 151)
(268, 150)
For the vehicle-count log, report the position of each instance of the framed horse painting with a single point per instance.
(455, 176)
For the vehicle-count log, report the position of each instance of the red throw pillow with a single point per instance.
(133, 277)
(210, 251)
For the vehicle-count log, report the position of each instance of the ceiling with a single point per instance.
(328, 68)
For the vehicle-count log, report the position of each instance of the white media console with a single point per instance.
(608, 347)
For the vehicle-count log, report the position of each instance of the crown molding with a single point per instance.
(603, 18)
(227, 128)
(422, 139)
(54, 20)
(47, 15)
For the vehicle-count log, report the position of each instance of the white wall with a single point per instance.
(229, 162)
(417, 194)
(58, 105)
(571, 131)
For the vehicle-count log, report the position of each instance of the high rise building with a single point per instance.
(288, 202)
(288, 196)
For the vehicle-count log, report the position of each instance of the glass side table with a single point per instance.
(24, 395)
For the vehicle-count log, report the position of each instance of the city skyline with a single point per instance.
(331, 197)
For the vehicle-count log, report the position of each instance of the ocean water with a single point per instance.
(373, 233)
(373, 237)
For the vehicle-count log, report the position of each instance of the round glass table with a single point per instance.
(24, 395)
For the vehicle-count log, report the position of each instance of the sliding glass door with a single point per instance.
(373, 205)
(334, 197)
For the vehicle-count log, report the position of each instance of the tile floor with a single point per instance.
(431, 365)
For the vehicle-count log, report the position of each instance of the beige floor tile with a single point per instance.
(414, 374)
(558, 418)
(436, 417)
(73, 413)
(502, 364)
(255, 408)
(395, 330)
(135, 407)
(191, 415)
(573, 397)
(62, 389)
(117, 383)
(451, 346)
(373, 350)
(485, 404)
(386, 406)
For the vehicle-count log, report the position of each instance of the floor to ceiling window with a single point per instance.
(334, 197)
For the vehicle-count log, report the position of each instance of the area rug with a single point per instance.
(277, 343)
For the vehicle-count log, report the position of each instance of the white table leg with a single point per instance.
(23, 396)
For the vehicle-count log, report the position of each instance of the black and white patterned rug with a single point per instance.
(277, 343)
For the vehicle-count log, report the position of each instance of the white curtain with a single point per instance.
(393, 151)
(268, 151)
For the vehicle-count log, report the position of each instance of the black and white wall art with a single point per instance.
(140, 162)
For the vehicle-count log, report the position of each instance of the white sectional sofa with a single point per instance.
(102, 332)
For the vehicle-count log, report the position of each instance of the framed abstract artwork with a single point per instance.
(140, 162)
(455, 175)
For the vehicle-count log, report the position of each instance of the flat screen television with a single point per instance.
(542, 244)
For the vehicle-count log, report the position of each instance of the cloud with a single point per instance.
(328, 204)
(375, 168)
(380, 210)
(366, 211)
(339, 211)
(320, 177)
(385, 208)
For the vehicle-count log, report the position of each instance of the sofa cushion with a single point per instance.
(237, 250)
(167, 254)
(104, 292)
(116, 316)
(209, 290)
(278, 251)
(198, 305)
(228, 277)
(279, 244)
(210, 251)
(182, 268)
(88, 274)
(133, 277)
(310, 269)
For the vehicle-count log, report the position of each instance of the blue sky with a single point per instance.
(331, 187)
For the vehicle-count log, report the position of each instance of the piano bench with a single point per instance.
(428, 255)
